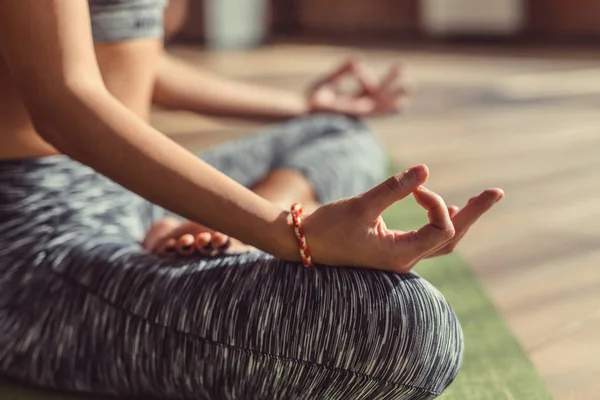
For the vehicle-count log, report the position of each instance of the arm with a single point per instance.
(185, 87)
(48, 48)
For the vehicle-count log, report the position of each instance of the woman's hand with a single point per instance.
(169, 237)
(371, 98)
(351, 232)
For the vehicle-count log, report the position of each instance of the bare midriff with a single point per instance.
(128, 69)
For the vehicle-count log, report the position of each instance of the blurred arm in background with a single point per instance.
(182, 86)
(187, 87)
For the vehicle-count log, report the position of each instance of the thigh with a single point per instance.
(119, 321)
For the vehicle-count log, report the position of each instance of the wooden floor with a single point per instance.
(526, 121)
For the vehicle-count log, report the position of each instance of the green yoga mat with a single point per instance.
(495, 366)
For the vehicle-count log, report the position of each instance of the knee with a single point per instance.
(339, 155)
(431, 351)
(362, 154)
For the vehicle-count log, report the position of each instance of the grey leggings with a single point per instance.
(83, 308)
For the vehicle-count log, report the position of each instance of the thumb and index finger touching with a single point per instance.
(400, 186)
(367, 83)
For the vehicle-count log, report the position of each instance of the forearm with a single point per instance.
(181, 86)
(93, 128)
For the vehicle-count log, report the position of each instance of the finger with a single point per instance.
(169, 248)
(189, 227)
(354, 107)
(218, 241)
(452, 211)
(334, 77)
(475, 208)
(203, 243)
(185, 245)
(390, 78)
(397, 98)
(393, 189)
(397, 93)
(400, 89)
(156, 236)
(437, 210)
(365, 77)
(440, 228)
(466, 217)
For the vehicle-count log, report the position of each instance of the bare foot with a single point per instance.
(169, 237)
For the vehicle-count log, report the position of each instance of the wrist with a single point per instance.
(284, 241)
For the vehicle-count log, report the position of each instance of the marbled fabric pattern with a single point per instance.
(84, 308)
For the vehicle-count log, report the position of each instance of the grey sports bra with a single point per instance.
(117, 20)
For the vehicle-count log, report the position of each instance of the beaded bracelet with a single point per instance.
(296, 212)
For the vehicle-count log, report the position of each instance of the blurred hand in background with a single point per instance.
(369, 95)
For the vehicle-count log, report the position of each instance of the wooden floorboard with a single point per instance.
(480, 119)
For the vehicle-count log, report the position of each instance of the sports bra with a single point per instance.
(118, 20)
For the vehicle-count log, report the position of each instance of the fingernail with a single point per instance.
(186, 242)
(208, 247)
(412, 174)
(491, 195)
(418, 172)
(502, 194)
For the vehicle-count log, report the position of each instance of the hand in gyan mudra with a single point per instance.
(351, 232)
(370, 96)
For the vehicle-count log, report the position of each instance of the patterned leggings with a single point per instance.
(84, 309)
